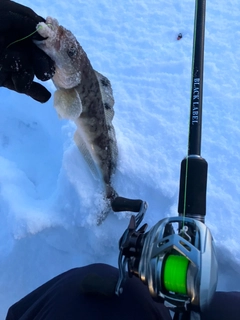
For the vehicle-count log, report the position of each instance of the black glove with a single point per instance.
(20, 58)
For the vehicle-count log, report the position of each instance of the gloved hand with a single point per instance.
(20, 58)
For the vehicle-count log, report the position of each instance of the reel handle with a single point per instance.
(125, 204)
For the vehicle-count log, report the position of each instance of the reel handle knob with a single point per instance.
(125, 204)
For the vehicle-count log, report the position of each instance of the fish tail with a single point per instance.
(111, 193)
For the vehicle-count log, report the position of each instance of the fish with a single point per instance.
(84, 96)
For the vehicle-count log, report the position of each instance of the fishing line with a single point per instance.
(24, 38)
(185, 195)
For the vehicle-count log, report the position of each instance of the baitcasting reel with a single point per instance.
(176, 259)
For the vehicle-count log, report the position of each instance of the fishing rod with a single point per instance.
(176, 258)
(193, 176)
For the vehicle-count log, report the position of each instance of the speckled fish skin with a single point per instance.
(84, 96)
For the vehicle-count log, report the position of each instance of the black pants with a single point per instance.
(87, 293)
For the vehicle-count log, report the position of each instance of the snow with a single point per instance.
(48, 197)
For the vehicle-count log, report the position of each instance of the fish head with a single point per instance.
(63, 48)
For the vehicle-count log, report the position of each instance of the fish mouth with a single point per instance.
(59, 36)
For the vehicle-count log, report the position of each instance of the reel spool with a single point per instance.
(175, 274)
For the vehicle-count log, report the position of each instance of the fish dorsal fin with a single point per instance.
(108, 102)
(107, 96)
(67, 103)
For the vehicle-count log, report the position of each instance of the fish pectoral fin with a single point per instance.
(67, 103)
(80, 143)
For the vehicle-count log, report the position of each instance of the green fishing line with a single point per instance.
(39, 27)
(24, 37)
(175, 274)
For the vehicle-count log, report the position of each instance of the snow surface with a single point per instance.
(48, 197)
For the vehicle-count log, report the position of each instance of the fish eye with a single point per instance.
(71, 52)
